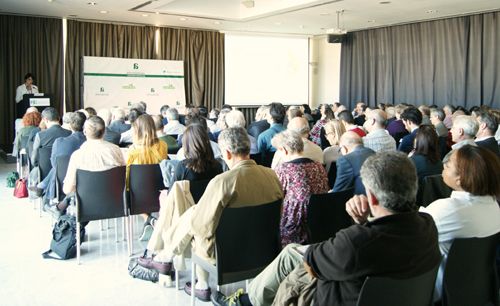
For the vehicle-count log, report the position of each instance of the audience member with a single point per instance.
(426, 114)
(485, 136)
(30, 122)
(334, 129)
(346, 118)
(411, 118)
(333, 272)
(173, 127)
(169, 140)
(360, 117)
(46, 138)
(311, 150)
(163, 114)
(306, 110)
(109, 135)
(118, 124)
(66, 121)
(448, 113)
(260, 124)
(378, 139)
(235, 118)
(349, 164)
(326, 115)
(192, 118)
(127, 137)
(245, 184)
(275, 120)
(90, 111)
(472, 209)
(437, 117)
(397, 128)
(300, 177)
(426, 155)
(463, 131)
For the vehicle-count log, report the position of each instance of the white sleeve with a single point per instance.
(19, 93)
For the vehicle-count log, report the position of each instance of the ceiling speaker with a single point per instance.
(336, 38)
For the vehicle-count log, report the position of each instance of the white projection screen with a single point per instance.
(264, 69)
(117, 82)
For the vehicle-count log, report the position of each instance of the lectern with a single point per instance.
(39, 100)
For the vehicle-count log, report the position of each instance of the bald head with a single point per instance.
(299, 125)
(350, 140)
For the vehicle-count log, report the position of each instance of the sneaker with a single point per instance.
(201, 294)
(219, 299)
(152, 221)
(147, 231)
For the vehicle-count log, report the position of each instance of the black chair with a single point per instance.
(332, 175)
(470, 274)
(44, 163)
(326, 214)
(145, 184)
(432, 189)
(197, 189)
(61, 169)
(415, 291)
(246, 241)
(99, 195)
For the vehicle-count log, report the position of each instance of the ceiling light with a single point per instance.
(182, 19)
(92, 3)
(157, 13)
(384, 2)
(50, 0)
(431, 11)
(145, 15)
(216, 22)
(103, 12)
(248, 3)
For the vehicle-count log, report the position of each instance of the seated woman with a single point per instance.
(30, 122)
(300, 177)
(333, 130)
(199, 163)
(426, 156)
(146, 149)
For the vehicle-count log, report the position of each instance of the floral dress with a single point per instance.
(300, 178)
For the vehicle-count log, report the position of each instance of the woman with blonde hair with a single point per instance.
(146, 149)
(334, 129)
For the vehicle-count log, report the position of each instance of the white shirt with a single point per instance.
(379, 141)
(22, 90)
(127, 136)
(462, 143)
(174, 127)
(93, 155)
(330, 155)
(311, 151)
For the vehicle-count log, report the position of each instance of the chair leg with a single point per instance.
(176, 275)
(124, 228)
(78, 242)
(130, 243)
(193, 282)
(116, 228)
(101, 224)
(40, 205)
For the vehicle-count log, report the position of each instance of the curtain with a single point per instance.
(203, 56)
(101, 39)
(450, 61)
(28, 44)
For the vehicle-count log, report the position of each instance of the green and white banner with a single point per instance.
(117, 82)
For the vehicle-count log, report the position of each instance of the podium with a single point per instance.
(39, 100)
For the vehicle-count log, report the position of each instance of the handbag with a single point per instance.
(11, 179)
(20, 190)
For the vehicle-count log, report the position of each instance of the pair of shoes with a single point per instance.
(147, 231)
(219, 299)
(162, 267)
(36, 191)
(201, 294)
(137, 271)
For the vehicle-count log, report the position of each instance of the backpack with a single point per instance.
(12, 177)
(64, 239)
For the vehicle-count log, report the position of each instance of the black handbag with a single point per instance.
(64, 239)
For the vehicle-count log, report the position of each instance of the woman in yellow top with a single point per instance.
(146, 149)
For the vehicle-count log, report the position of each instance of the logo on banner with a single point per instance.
(136, 66)
(169, 86)
(102, 92)
(129, 86)
(153, 92)
(102, 89)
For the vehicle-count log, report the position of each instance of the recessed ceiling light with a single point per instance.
(431, 11)
(384, 2)
(103, 12)
(92, 3)
(216, 22)
(50, 0)
(145, 15)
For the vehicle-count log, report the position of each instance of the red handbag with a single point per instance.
(21, 190)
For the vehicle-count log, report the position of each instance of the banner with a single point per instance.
(117, 82)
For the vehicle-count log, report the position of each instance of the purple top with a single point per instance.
(300, 178)
(397, 130)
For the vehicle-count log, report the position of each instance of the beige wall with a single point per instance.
(324, 71)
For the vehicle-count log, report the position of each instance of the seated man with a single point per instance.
(275, 119)
(378, 139)
(349, 164)
(397, 242)
(412, 118)
(245, 184)
(463, 131)
(95, 154)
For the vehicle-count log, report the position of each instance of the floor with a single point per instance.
(101, 279)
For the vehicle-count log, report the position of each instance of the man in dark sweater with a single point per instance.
(397, 242)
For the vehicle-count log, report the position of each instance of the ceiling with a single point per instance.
(303, 17)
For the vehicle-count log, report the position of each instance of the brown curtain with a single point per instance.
(101, 39)
(203, 56)
(28, 44)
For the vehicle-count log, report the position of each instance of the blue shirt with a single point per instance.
(264, 140)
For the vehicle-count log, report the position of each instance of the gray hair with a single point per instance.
(290, 140)
(392, 178)
(489, 120)
(67, 117)
(379, 116)
(50, 114)
(235, 118)
(172, 114)
(105, 114)
(119, 113)
(139, 106)
(235, 140)
(468, 124)
(94, 127)
(438, 113)
(299, 125)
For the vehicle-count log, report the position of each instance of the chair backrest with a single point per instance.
(100, 194)
(332, 174)
(197, 188)
(415, 291)
(470, 274)
(432, 189)
(24, 142)
(257, 158)
(145, 184)
(267, 159)
(247, 240)
(61, 169)
(44, 161)
(326, 214)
